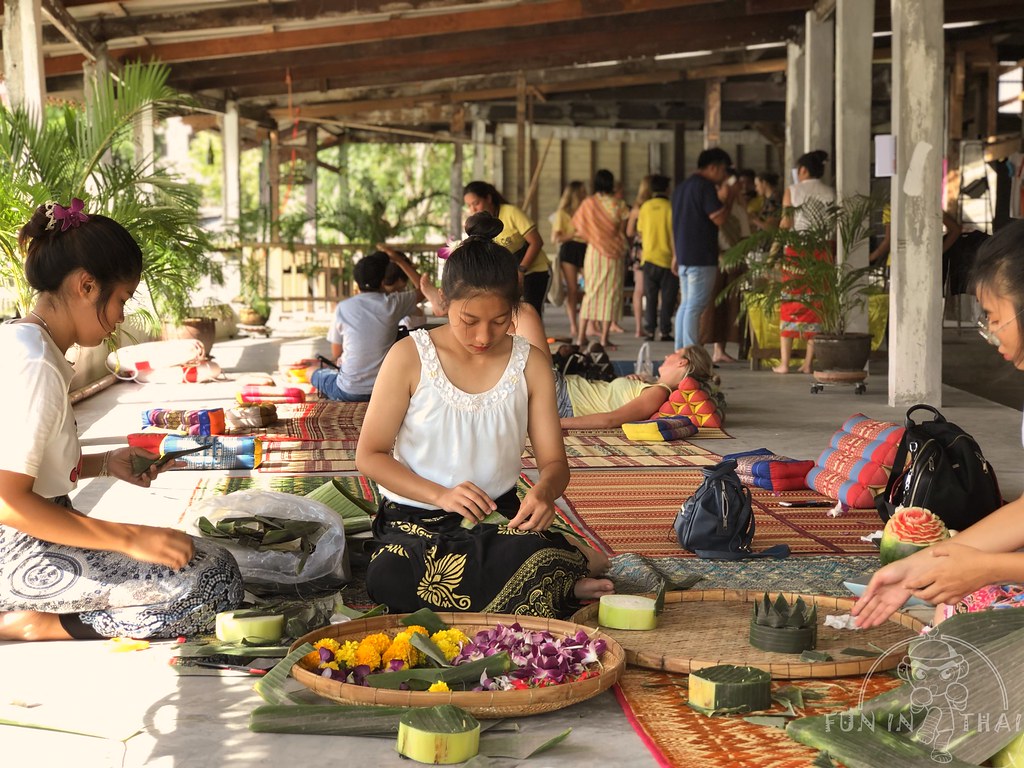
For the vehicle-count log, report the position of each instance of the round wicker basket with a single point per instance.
(482, 704)
(705, 628)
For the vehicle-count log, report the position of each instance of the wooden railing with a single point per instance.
(314, 278)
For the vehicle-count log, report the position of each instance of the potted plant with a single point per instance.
(833, 290)
(255, 307)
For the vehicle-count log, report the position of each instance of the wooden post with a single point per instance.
(457, 128)
(274, 182)
(520, 137)
(712, 112)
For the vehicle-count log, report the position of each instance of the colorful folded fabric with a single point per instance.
(255, 393)
(203, 421)
(763, 469)
(245, 417)
(661, 429)
(857, 463)
(221, 452)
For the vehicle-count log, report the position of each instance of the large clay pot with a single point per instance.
(249, 316)
(848, 352)
(204, 329)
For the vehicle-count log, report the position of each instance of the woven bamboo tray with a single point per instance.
(704, 628)
(482, 704)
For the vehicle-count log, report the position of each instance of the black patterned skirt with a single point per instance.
(426, 559)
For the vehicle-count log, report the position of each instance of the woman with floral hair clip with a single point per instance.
(64, 575)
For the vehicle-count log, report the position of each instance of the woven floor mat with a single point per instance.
(299, 485)
(655, 704)
(814, 574)
(318, 420)
(605, 450)
(633, 512)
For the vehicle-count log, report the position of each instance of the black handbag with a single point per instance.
(717, 521)
(940, 467)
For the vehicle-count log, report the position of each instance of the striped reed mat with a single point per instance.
(678, 736)
(298, 485)
(633, 512)
(607, 450)
(295, 457)
(317, 420)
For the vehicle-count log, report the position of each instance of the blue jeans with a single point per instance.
(696, 284)
(326, 382)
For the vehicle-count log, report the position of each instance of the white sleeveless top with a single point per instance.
(450, 436)
(809, 189)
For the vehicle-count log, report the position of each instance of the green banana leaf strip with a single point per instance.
(271, 687)
(659, 599)
(521, 745)
(209, 529)
(470, 672)
(355, 613)
(815, 656)
(199, 649)
(860, 652)
(425, 618)
(789, 696)
(429, 648)
(326, 719)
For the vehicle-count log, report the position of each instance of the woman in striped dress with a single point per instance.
(601, 221)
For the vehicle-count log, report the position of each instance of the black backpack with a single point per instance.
(940, 467)
(569, 360)
(717, 521)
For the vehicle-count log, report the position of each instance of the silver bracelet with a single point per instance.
(104, 467)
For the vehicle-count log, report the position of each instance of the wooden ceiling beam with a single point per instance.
(427, 58)
(390, 30)
(57, 14)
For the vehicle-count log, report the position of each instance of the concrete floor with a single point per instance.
(200, 722)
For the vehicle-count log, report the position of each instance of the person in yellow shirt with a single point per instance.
(654, 224)
(519, 236)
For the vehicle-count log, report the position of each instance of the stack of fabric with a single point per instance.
(762, 468)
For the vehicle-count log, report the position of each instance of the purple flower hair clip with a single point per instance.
(68, 217)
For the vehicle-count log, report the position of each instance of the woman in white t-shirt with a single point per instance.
(64, 575)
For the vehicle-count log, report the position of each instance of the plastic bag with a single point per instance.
(326, 566)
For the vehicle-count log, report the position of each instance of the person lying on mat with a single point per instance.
(364, 328)
(64, 575)
(443, 438)
(589, 404)
(981, 567)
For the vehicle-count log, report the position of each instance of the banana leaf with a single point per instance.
(326, 719)
(470, 672)
(271, 687)
(425, 618)
(429, 649)
(355, 512)
(961, 700)
(521, 745)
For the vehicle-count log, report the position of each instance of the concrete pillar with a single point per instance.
(796, 104)
(96, 74)
(819, 86)
(854, 50)
(915, 300)
(231, 160)
(455, 204)
(522, 136)
(23, 56)
(144, 138)
(274, 185)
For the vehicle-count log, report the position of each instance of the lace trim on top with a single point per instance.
(465, 401)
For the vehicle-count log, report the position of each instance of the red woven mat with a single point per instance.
(633, 512)
(655, 705)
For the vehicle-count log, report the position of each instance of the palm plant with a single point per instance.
(79, 152)
(833, 290)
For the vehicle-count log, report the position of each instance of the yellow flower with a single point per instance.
(329, 643)
(379, 642)
(347, 653)
(450, 641)
(417, 629)
(329, 665)
(402, 649)
(439, 687)
(368, 655)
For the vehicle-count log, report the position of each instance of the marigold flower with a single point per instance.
(329, 665)
(379, 642)
(347, 653)
(439, 687)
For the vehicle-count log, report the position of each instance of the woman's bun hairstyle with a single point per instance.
(814, 162)
(483, 225)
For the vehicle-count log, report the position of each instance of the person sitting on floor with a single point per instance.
(443, 438)
(364, 328)
(396, 281)
(589, 404)
(64, 575)
(981, 567)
